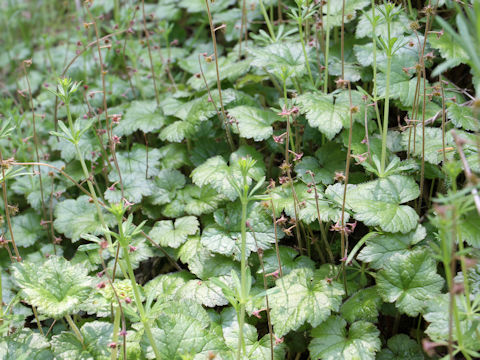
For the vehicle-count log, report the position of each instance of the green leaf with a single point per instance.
(166, 285)
(332, 341)
(182, 330)
(283, 200)
(381, 247)
(378, 203)
(203, 150)
(203, 262)
(398, 26)
(134, 169)
(96, 337)
(177, 131)
(329, 158)
(173, 156)
(201, 109)
(309, 163)
(401, 87)
(401, 347)
(205, 293)
(300, 298)
(337, 11)
(254, 123)
(463, 117)
(87, 143)
(27, 229)
(231, 70)
(449, 49)
(279, 56)
(289, 258)
(141, 115)
(193, 200)
(166, 10)
(433, 144)
(351, 71)
(165, 185)
(409, 280)
(363, 305)
(134, 188)
(437, 315)
(143, 252)
(255, 348)
(194, 6)
(135, 162)
(56, 288)
(473, 279)
(25, 345)
(75, 217)
(322, 113)
(168, 233)
(224, 235)
(183, 286)
(29, 186)
(216, 172)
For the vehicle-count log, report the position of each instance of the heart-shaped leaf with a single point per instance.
(332, 340)
(378, 203)
(300, 298)
(409, 280)
(168, 233)
(254, 123)
(57, 288)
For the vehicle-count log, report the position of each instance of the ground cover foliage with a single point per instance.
(252, 179)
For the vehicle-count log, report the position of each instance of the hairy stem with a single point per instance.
(116, 326)
(75, 329)
(136, 293)
(243, 271)
(327, 49)
(385, 116)
(302, 41)
(374, 65)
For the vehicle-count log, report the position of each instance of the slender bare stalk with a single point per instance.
(103, 72)
(343, 234)
(7, 212)
(50, 209)
(167, 66)
(35, 137)
(210, 97)
(72, 61)
(424, 105)
(443, 120)
(277, 249)
(343, 40)
(219, 85)
(322, 228)
(147, 36)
